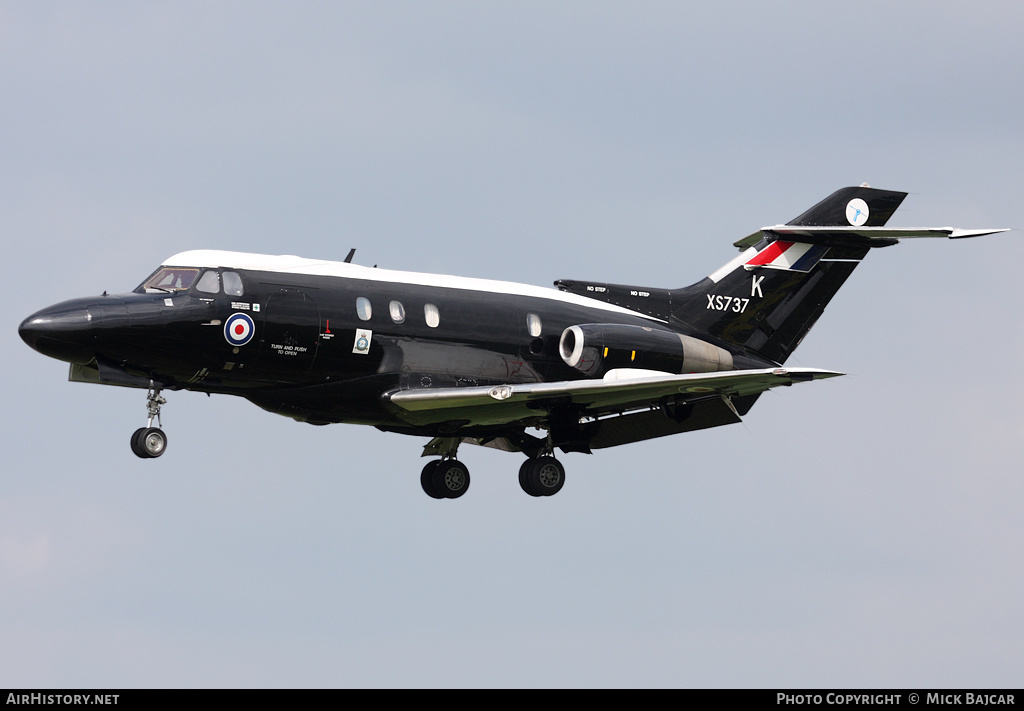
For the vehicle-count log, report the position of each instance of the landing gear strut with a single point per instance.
(149, 442)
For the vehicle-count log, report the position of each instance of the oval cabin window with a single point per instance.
(397, 311)
(363, 308)
(432, 315)
(533, 324)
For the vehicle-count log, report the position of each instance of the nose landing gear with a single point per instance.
(150, 442)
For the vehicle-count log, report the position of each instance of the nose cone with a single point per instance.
(63, 332)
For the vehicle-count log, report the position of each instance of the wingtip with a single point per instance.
(964, 234)
(803, 375)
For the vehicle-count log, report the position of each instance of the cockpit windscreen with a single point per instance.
(171, 279)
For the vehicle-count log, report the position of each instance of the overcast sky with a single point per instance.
(861, 531)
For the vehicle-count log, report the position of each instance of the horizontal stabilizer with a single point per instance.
(866, 236)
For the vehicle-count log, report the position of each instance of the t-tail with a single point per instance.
(765, 300)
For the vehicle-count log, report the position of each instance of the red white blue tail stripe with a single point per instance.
(791, 256)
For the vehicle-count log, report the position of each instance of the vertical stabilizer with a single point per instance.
(766, 300)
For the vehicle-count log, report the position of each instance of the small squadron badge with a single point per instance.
(362, 342)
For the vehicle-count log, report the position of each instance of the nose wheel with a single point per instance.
(150, 442)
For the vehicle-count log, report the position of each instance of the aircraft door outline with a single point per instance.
(288, 332)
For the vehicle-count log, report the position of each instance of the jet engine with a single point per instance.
(596, 348)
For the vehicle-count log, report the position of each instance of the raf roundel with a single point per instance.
(239, 329)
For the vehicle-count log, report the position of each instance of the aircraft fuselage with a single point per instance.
(303, 357)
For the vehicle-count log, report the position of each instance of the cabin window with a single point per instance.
(397, 311)
(232, 284)
(209, 282)
(432, 315)
(170, 279)
(363, 308)
(533, 324)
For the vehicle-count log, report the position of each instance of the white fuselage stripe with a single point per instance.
(288, 264)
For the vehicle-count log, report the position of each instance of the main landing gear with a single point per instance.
(445, 479)
(149, 442)
(448, 478)
(542, 476)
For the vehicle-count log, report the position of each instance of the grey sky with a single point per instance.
(863, 531)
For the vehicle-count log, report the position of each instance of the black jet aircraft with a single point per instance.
(515, 367)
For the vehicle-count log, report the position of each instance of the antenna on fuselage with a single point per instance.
(351, 253)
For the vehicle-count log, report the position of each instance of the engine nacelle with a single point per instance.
(596, 348)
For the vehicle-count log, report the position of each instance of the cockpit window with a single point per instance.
(232, 284)
(170, 279)
(209, 282)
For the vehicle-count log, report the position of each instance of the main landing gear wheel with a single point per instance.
(427, 479)
(543, 476)
(149, 442)
(445, 479)
(451, 478)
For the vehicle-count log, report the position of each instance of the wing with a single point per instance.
(618, 392)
